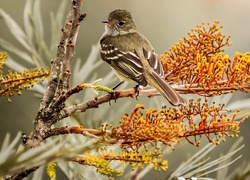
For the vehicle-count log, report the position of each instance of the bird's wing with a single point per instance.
(154, 62)
(127, 63)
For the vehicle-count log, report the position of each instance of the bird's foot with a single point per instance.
(137, 89)
(120, 83)
(113, 94)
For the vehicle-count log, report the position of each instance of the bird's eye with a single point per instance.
(121, 23)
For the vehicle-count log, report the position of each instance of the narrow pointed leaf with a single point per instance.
(14, 65)
(10, 48)
(15, 29)
(56, 24)
(26, 18)
(38, 19)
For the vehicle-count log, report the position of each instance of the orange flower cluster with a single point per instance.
(210, 120)
(239, 75)
(136, 130)
(141, 137)
(169, 125)
(180, 60)
(198, 63)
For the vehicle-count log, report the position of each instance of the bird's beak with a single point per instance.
(106, 21)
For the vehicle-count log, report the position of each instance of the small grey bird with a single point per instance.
(132, 57)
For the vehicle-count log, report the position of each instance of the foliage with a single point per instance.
(196, 64)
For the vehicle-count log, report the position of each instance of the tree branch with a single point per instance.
(58, 82)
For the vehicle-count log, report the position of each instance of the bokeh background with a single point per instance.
(163, 22)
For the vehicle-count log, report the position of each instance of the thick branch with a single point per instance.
(70, 50)
(60, 73)
(57, 82)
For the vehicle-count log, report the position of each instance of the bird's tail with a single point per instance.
(166, 90)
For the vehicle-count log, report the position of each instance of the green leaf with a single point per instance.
(56, 24)
(10, 48)
(27, 19)
(15, 29)
(6, 142)
(87, 69)
(92, 60)
(38, 174)
(39, 88)
(38, 20)
(14, 65)
(8, 149)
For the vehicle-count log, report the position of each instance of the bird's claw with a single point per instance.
(136, 91)
(113, 96)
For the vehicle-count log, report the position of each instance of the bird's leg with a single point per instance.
(137, 90)
(113, 93)
(120, 83)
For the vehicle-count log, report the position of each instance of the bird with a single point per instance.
(132, 57)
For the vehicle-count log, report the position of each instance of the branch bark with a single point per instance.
(58, 82)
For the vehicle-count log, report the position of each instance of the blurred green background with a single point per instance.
(163, 22)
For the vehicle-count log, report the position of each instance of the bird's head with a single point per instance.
(119, 22)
